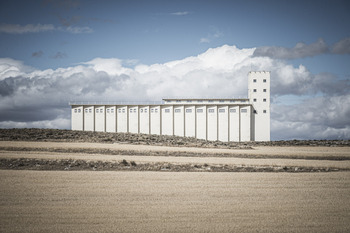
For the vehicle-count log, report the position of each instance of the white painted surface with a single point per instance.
(167, 120)
(133, 119)
(212, 123)
(234, 124)
(111, 118)
(223, 124)
(122, 119)
(89, 116)
(179, 121)
(155, 120)
(201, 122)
(190, 121)
(77, 118)
(100, 118)
(144, 115)
(210, 119)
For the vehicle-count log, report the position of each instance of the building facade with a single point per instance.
(222, 119)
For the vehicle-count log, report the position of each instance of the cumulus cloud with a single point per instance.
(32, 97)
(299, 51)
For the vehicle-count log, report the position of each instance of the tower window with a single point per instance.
(264, 80)
(141, 110)
(255, 112)
(264, 100)
(254, 100)
(200, 110)
(244, 110)
(86, 110)
(75, 110)
(221, 110)
(232, 110)
(188, 110)
(167, 110)
(264, 111)
(97, 110)
(254, 80)
(177, 110)
(90, 110)
(264, 90)
(79, 110)
(211, 110)
(107, 110)
(254, 90)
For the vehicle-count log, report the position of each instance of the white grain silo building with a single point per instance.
(222, 119)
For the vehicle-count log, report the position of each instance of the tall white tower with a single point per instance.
(259, 97)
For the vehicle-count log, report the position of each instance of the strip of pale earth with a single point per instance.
(29, 158)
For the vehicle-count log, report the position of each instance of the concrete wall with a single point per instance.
(212, 123)
(259, 96)
(190, 121)
(144, 119)
(155, 120)
(216, 119)
(167, 120)
(111, 119)
(223, 124)
(179, 121)
(100, 119)
(209, 122)
(89, 118)
(201, 122)
(77, 118)
(122, 119)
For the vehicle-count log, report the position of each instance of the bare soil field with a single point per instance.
(71, 181)
(85, 201)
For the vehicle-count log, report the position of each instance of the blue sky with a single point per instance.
(306, 45)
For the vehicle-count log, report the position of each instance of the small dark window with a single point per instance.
(221, 110)
(107, 110)
(79, 110)
(264, 90)
(177, 110)
(255, 112)
(178, 101)
(156, 110)
(254, 100)
(141, 110)
(123, 110)
(97, 110)
(254, 80)
(264, 80)
(264, 111)
(200, 110)
(112, 110)
(232, 110)
(264, 100)
(90, 110)
(254, 90)
(244, 110)
(75, 110)
(188, 110)
(145, 110)
(211, 110)
(167, 110)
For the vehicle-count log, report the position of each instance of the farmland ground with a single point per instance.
(86, 201)
(69, 181)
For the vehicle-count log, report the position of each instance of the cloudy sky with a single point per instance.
(53, 52)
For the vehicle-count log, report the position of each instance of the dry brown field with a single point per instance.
(87, 201)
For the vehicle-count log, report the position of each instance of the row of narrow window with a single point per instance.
(210, 101)
(166, 110)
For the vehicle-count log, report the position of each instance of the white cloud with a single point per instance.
(180, 13)
(31, 28)
(40, 97)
